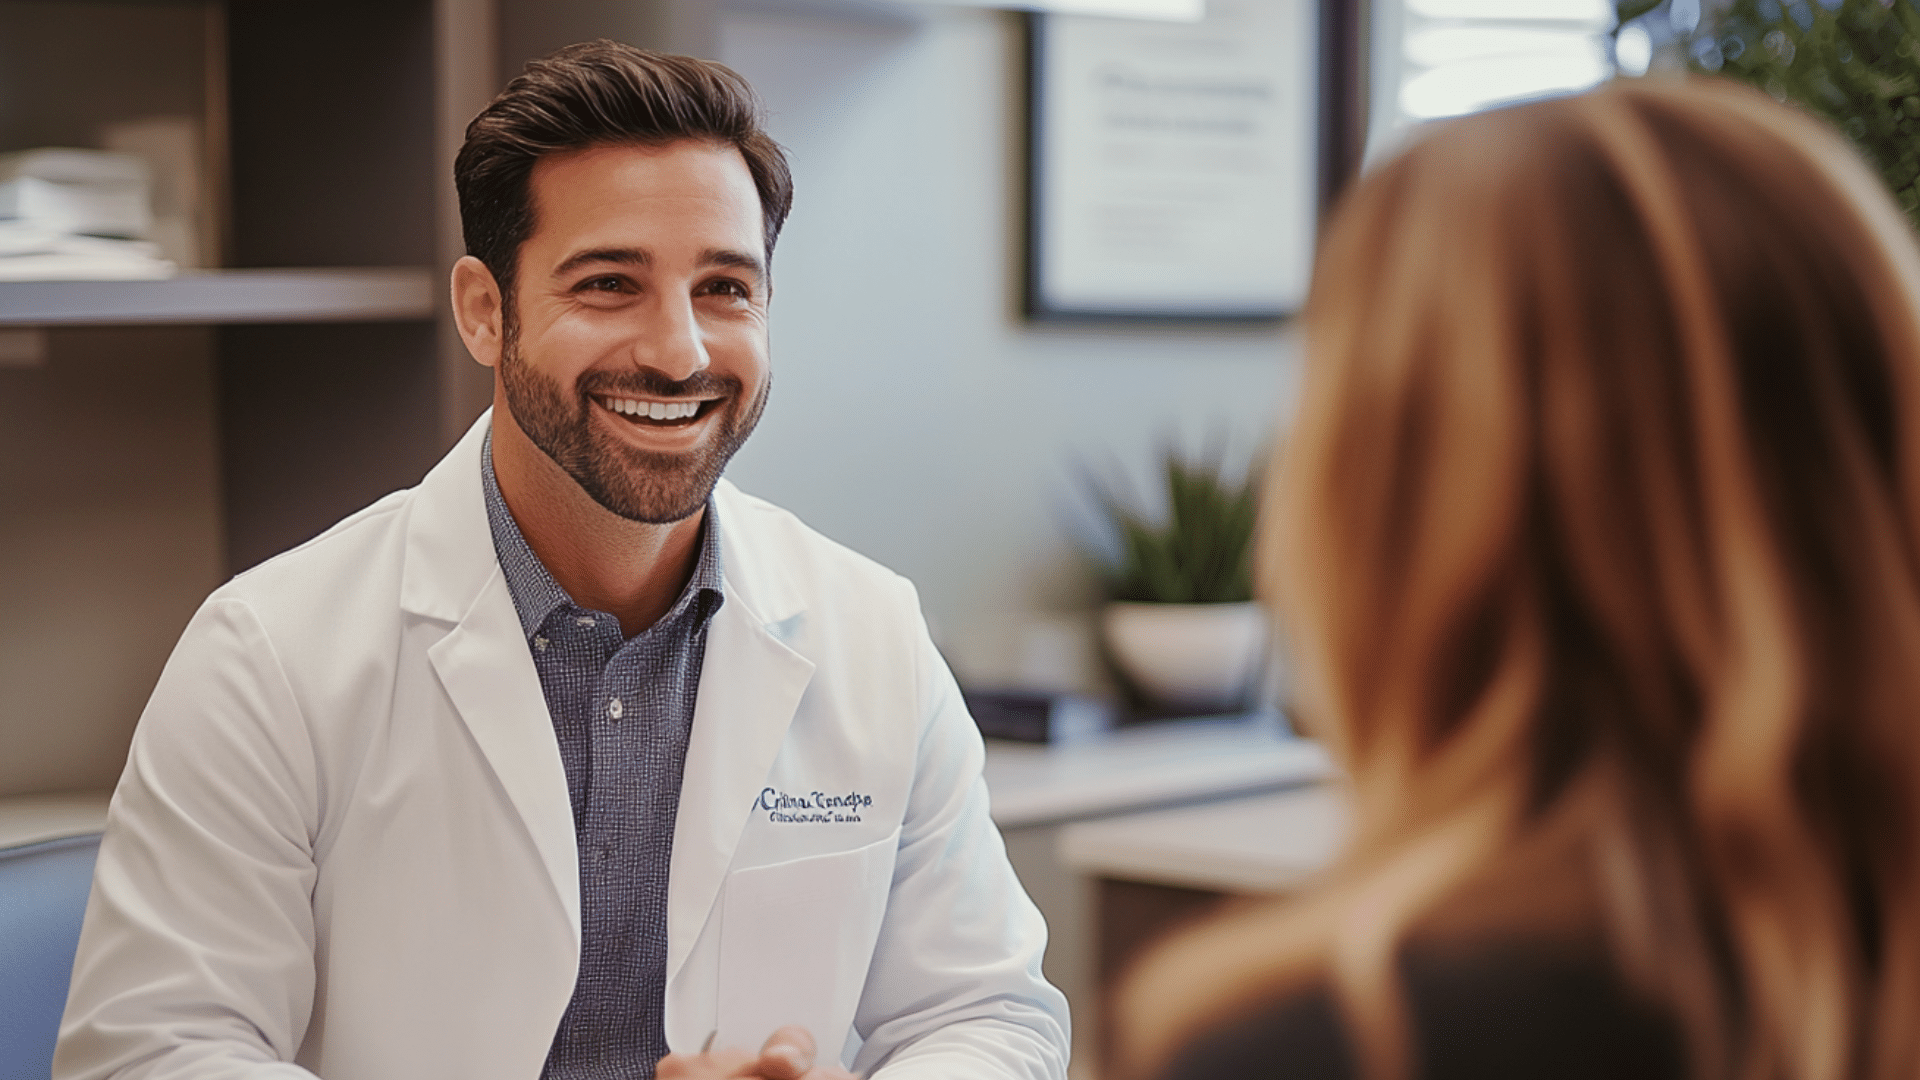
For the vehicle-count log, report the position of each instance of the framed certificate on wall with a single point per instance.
(1173, 169)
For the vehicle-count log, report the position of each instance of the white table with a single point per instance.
(1042, 792)
(1258, 844)
(1140, 874)
(1147, 765)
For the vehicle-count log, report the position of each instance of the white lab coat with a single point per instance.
(343, 844)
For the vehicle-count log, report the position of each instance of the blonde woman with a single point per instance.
(1598, 538)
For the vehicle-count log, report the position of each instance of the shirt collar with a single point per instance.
(536, 595)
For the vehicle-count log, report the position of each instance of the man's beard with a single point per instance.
(639, 485)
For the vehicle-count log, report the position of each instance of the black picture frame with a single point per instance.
(1327, 155)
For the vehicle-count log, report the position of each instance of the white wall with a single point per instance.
(915, 416)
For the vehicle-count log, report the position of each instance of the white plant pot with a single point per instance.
(1198, 657)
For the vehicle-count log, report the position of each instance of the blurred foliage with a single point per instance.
(1854, 62)
(1202, 553)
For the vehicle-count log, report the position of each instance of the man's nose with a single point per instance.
(670, 341)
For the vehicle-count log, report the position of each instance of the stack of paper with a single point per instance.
(68, 214)
(34, 253)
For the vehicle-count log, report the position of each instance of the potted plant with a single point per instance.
(1181, 624)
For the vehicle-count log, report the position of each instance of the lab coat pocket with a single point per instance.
(795, 941)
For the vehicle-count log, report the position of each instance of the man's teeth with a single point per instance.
(653, 410)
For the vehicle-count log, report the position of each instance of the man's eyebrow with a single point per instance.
(626, 256)
(641, 257)
(739, 260)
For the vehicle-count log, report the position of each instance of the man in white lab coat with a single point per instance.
(573, 755)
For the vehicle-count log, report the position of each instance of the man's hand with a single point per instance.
(787, 1055)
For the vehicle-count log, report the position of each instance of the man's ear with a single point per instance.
(477, 309)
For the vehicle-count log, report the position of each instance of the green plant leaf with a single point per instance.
(1856, 65)
(1201, 553)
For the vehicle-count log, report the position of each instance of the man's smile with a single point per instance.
(658, 412)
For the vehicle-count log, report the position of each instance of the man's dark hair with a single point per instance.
(602, 93)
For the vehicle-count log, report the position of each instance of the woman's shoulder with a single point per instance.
(1495, 1011)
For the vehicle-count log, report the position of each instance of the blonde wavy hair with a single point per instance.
(1596, 542)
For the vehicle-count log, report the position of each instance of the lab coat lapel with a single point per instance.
(452, 575)
(750, 686)
(487, 671)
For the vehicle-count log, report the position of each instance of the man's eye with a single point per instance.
(603, 284)
(728, 287)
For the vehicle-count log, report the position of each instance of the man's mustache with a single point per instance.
(649, 383)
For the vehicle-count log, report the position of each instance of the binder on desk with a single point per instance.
(1032, 717)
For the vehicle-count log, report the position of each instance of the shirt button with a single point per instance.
(615, 709)
(540, 643)
(585, 620)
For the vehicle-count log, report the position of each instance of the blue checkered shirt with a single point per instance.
(622, 710)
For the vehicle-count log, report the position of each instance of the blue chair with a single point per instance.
(43, 894)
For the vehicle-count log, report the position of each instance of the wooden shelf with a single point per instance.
(344, 294)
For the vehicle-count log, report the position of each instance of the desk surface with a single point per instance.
(1258, 844)
(1133, 768)
(1148, 765)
